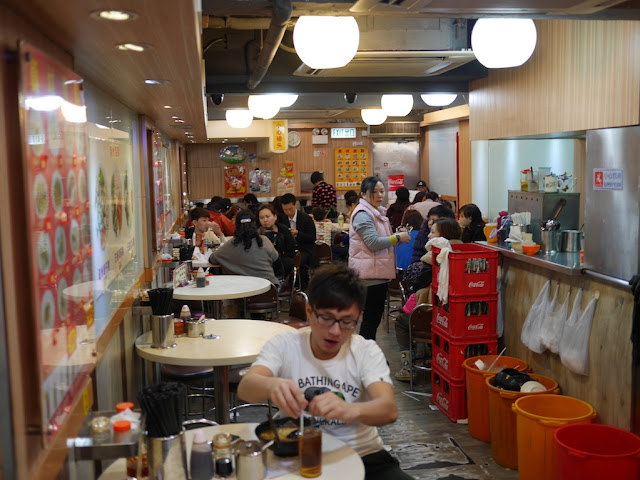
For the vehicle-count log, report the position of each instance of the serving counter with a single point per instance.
(608, 386)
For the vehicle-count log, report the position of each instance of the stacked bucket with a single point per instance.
(465, 326)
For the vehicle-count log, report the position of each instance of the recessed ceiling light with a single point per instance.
(114, 15)
(133, 47)
(171, 106)
(155, 81)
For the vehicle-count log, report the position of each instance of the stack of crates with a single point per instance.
(465, 326)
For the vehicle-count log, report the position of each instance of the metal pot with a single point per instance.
(571, 240)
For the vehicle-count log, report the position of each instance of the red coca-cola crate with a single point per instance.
(448, 353)
(466, 317)
(472, 269)
(448, 395)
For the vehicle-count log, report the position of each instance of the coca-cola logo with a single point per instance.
(442, 361)
(478, 284)
(443, 401)
(476, 326)
(396, 181)
(442, 320)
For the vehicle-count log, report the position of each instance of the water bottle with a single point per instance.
(341, 219)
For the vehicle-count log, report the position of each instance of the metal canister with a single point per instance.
(251, 462)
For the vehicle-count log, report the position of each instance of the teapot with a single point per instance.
(566, 182)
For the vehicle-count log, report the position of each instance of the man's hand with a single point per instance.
(329, 406)
(294, 231)
(288, 397)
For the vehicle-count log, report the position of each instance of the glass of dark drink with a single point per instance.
(310, 450)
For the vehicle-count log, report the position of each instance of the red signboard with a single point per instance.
(395, 182)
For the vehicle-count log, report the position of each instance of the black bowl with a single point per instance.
(289, 446)
(510, 379)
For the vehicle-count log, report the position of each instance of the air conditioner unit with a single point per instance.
(394, 63)
(395, 130)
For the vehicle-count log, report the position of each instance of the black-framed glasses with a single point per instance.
(326, 321)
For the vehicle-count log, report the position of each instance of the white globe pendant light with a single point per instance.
(438, 99)
(503, 42)
(238, 118)
(285, 99)
(326, 42)
(373, 116)
(263, 106)
(397, 105)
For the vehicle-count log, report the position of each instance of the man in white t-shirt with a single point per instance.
(330, 372)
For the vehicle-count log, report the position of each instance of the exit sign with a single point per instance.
(343, 133)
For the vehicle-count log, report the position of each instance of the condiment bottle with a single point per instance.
(201, 463)
(201, 280)
(222, 455)
(122, 406)
(121, 431)
(100, 429)
(341, 219)
(179, 324)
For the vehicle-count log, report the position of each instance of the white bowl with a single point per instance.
(532, 387)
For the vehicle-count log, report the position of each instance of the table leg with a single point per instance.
(221, 384)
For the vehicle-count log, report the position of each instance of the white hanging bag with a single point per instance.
(554, 322)
(530, 335)
(574, 345)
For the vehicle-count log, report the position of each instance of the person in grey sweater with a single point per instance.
(249, 253)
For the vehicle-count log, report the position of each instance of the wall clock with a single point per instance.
(294, 139)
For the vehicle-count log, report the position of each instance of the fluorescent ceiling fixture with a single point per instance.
(264, 106)
(285, 99)
(395, 105)
(239, 118)
(133, 47)
(326, 42)
(373, 116)
(503, 42)
(438, 99)
(113, 15)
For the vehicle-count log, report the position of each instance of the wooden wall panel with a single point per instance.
(464, 163)
(205, 170)
(582, 75)
(608, 386)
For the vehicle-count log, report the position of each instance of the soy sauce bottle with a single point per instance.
(222, 456)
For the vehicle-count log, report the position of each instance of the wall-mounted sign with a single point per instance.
(394, 182)
(607, 179)
(343, 133)
(280, 137)
(233, 154)
(352, 165)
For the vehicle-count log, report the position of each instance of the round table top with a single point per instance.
(239, 342)
(338, 459)
(223, 287)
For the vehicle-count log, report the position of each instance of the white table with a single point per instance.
(223, 287)
(338, 459)
(238, 343)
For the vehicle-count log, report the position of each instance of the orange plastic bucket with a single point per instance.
(502, 419)
(538, 416)
(477, 392)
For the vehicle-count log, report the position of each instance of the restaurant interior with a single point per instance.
(118, 116)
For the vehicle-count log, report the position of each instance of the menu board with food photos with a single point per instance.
(57, 202)
(352, 165)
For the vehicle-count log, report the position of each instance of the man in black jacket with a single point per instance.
(303, 230)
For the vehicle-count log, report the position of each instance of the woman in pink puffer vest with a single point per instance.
(371, 251)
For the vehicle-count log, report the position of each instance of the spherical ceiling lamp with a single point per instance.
(285, 99)
(503, 42)
(326, 42)
(438, 99)
(373, 116)
(395, 105)
(239, 118)
(263, 106)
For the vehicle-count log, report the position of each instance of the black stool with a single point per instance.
(199, 383)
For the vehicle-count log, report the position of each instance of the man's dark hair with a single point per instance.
(351, 194)
(246, 230)
(215, 204)
(336, 286)
(316, 177)
(418, 198)
(199, 204)
(402, 194)
(250, 199)
(288, 198)
(319, 213)
(433, 196)
(199, 212)
(442, 212)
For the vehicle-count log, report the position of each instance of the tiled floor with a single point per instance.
(428, 444)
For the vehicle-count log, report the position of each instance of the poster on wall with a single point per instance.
(58, 209)
(351, 167)
(260, 181)
(286, 182)
(235, 181)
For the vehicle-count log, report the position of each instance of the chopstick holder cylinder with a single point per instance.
(167, 457)
(162, 331)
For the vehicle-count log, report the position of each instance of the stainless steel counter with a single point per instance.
(562, 262)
